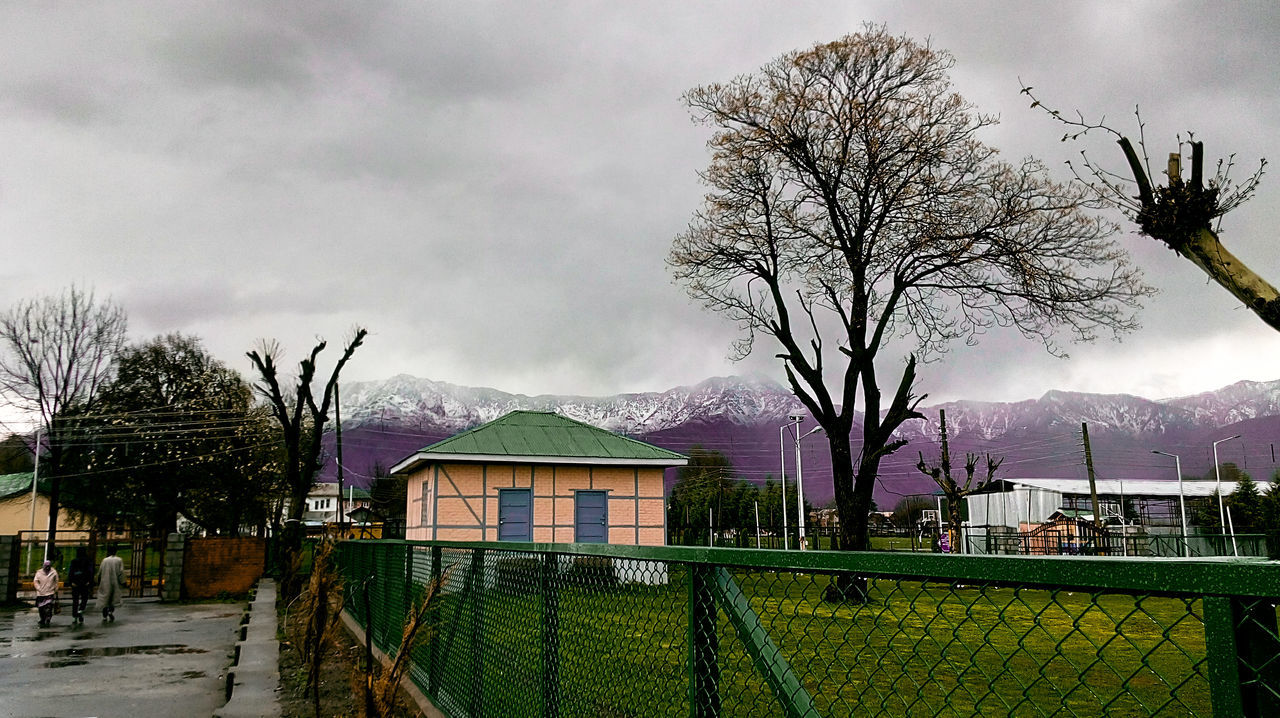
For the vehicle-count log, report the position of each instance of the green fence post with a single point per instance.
(433, 619)
(550, 638)
(704, 668)
(477, 632)
(1222, 653)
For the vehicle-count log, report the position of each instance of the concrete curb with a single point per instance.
(253, 681)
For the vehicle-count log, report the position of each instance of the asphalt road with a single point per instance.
(156, 659)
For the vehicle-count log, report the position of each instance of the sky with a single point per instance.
(492, 188)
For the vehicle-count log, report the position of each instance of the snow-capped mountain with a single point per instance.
(1057, 410)
(384, 421)
(1228, 405)
(411, 401)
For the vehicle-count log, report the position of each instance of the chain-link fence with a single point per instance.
(599, 630)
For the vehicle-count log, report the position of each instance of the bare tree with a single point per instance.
(1186, 213)
(955, 491)
(851, 203)
(302, 424)
(57, 353)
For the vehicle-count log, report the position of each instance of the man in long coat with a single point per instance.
(46, 583)
(110, 584)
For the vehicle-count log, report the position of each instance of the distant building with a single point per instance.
(536, 476)
(322, 503)
(1005, 508)
(15, 506)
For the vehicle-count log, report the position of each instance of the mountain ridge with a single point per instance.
(384, 421)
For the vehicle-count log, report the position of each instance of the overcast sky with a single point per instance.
(492, 188)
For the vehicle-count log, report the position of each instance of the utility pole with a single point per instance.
(1093, 482)
(337, 422)
(35, 479)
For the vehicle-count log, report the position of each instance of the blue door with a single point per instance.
(591, 516)
(515, 515)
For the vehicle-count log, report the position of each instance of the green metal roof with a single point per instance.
(14, 484)
(542, 437)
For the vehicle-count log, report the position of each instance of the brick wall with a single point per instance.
(216, 565)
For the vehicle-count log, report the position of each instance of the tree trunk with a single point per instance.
(54, 462)
(852, 507)
(290, 542)
(846, 504)
(953, 520)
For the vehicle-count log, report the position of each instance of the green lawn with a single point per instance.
(915, 649)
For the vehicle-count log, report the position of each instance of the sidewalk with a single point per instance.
(156, 659)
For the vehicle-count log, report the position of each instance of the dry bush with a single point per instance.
(382, 683)
(320, 608)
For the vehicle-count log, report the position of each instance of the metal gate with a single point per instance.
(143, 557)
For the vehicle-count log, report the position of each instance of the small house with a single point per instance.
(537, 476)
(16, 512)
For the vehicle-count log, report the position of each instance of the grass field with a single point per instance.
(915, 649)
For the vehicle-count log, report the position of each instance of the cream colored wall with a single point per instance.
(15, 515)
(415, 525)
(466, 501)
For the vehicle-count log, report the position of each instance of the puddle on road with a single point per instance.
(79, 656)
(188, 676)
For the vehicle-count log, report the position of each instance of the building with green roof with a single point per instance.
(537, 476)
(15, 506)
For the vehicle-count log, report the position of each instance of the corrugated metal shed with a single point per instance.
(541, 438)
(1112, 487)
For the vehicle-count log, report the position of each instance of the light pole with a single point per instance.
(800, 512)
(795, 424)
(1222, 512)
(1182, 501)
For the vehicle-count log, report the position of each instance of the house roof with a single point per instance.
(14, 484)
(536, 437)
(327, 489)
(1114, 487)
(364, 514)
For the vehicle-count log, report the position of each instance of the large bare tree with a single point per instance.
(57, 353)
(302, 420)
(852, 202)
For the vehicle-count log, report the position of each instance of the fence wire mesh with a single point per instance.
(630, 631)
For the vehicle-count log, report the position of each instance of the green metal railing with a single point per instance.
(601, 630)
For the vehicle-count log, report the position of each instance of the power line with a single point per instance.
(165, 462)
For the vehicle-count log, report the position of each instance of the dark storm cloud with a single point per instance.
(492, 187)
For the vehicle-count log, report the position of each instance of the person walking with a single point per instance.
(80, 579)
(110, 584)
(46, 583)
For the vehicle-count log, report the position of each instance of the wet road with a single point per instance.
(156, 659)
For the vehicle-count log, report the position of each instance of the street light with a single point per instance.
(800, 512)
(1182, 502)
(1222, 513)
